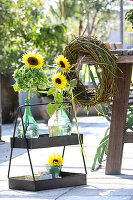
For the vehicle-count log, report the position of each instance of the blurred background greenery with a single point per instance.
(48, 25)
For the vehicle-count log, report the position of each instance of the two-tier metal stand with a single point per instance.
(44, 141)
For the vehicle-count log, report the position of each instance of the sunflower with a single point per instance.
(59, 80)
(63, 63)
(55, 160)
(33, 60)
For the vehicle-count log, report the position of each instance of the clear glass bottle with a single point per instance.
(32, 129)
(59, 124)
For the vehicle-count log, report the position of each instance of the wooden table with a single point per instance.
(118, 136)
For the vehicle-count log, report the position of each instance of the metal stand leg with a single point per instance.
(82, 156)
(62, 156)
(63, 151)
(83, 159)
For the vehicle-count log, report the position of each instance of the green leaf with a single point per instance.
(51, 108)
(51, 91)
(87, 109)
(44, 92)
(15, 87)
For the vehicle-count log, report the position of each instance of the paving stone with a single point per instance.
(94, 198)
(18, 194)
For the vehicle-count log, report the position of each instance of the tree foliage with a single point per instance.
(76, 13)
(24, 26)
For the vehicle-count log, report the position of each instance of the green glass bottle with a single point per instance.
(30, 125)
(59, 124)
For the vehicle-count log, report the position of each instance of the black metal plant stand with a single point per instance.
(44, 141)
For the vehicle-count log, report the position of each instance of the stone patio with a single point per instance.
(99, 186)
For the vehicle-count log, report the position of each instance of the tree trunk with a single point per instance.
(80, 27)
(93, 22)
(60, 5)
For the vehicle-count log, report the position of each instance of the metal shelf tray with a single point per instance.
(44, 141)
(67, 179)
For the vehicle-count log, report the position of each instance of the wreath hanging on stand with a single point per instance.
(104, 62)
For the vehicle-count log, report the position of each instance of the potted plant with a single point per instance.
(54, 165)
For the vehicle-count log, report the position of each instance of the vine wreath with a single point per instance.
(106, 64)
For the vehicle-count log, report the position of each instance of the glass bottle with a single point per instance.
(59, 124)
(32, 129)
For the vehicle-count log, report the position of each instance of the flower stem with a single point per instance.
(27, 108)
(28, 94)
(76, 121)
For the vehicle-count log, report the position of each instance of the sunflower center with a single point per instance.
(58, 81)
(32, 61)
(55, 161)
(62, 64)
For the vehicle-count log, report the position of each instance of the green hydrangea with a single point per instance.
(29, 79)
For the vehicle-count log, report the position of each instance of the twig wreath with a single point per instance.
(105, 63)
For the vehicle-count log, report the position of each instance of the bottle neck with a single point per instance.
(27, 108)
(27, 102)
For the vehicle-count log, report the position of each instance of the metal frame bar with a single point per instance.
(83, 158)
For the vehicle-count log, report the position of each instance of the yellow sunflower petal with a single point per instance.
(55, 160)
(63, 63)
(32, 59)
(59, 81)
